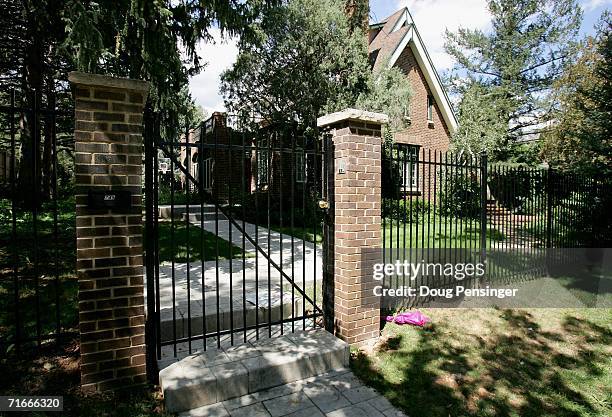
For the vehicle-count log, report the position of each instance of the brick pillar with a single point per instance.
(108, 159)
(354, 224)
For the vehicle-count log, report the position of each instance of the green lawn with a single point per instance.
(308, 234)
(445, 234)
(448, 234)
(201, 244)
(491, 362)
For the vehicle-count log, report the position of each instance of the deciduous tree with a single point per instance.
(581, 137)
(305, 60)
(310, 58)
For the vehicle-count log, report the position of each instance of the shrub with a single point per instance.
(460, 196)
(410, 211)
(305, 213)
(164, 196)
(519, 190)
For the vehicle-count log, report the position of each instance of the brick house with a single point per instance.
(220, 160)
(235, 162)
(396, 42)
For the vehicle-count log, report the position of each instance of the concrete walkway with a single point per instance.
(254, 276)
(334, 394)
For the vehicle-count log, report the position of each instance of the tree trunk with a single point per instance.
(29, 165)
(49, 139)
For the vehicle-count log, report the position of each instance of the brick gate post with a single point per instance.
(108, 189)
(354, 191)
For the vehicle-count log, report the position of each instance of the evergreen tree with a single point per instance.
(152, 40)
(482, 128)
(516, 64)
(42, 40)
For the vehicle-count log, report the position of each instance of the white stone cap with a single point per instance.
(97, 80)
(352, 114)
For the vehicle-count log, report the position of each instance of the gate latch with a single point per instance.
(323, 204)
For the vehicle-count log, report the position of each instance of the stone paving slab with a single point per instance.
(242, 289)
(318, 396)
(215, 343)
(208, 377)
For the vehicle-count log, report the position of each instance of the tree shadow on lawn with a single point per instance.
(522, 371)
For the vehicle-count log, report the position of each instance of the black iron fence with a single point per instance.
(233, 233)
(38, 287)
(434, 199)
(443, 204)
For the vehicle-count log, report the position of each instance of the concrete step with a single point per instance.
(217, 375)
(206, 216)
(180, 210)
(180, 322)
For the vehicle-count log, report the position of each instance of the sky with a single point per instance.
(431, 17)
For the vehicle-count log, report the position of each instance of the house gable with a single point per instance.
(430, 132)
(398, 35)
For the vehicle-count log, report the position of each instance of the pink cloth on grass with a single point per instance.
(416, 318)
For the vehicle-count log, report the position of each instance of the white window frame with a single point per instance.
(409, 169)
(430, 108)
(262, 162)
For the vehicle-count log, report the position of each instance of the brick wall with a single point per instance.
(433, 138)
(230, 166)
(108, 145)
(420, 132)
(355, 203)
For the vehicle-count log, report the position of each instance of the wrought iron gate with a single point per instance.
(233, 232)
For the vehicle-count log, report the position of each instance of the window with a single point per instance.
(300, 166)
(430, 105)
(262, 162)
(407, 116)
(164, 165)
(207, 173)
(409, 156)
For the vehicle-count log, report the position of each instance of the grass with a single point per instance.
(54, 370)
(438, 235)
(491, 362)
(201, 244)
(448, 234)
(308, 234)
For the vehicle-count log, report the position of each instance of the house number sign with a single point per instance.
(109, 199)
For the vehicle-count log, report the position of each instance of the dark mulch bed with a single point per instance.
(54, 370)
